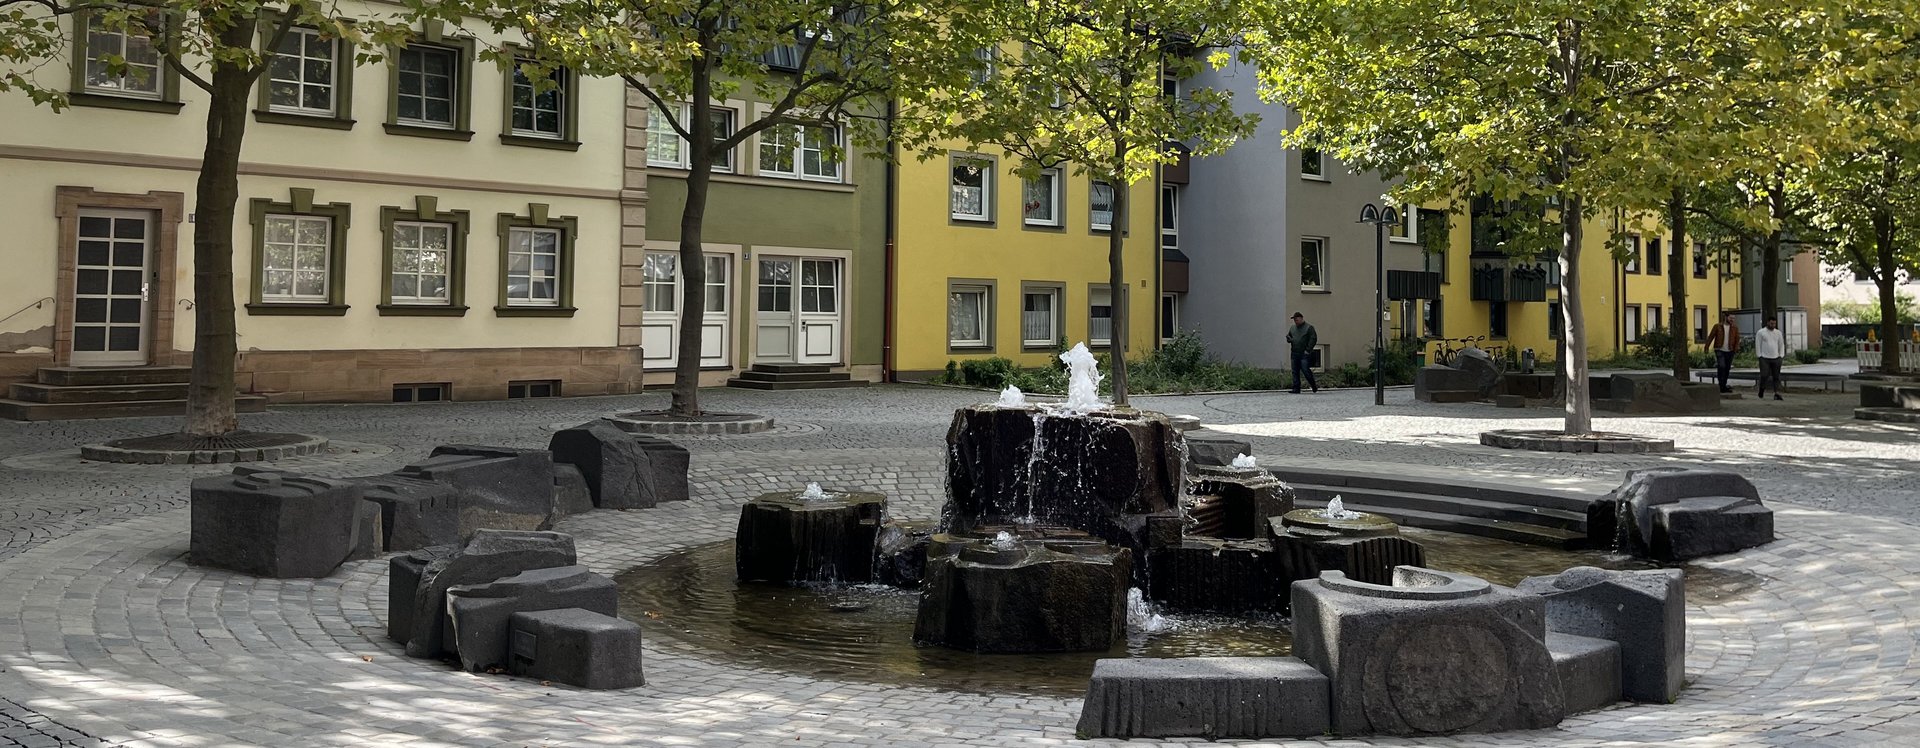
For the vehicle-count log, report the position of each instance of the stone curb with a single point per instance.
(734, 423)
(1547, 441)
(105, 453)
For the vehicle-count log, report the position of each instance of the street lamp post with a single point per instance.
(1381, 219)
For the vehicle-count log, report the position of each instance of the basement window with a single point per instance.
(431, 392)
(534, 388)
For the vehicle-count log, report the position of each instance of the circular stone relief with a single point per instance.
(1445, 678)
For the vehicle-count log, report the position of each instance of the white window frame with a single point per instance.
(294, 247)
(559, 245)
(661, 135)
(1053, 317)
(805, 139)
(1632, 264)
(298, 35)
(153, 76)
(724, 161)
(1408, 231)
(562, 91)
(1093, 190)
(984, 321)
(1320, 249)
(1319, 173)
(394, 247)
(987, 166)
(1169, 216)
(1786, 269)
(1169, 310)
(1093, 302)
(453, 87)
(1630, 324)
(984, 75)
(1053, 178)
(651, 280)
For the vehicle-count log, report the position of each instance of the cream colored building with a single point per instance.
(428, 228)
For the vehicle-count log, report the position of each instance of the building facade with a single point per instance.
(432, 228)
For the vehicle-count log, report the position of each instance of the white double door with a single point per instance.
(660, 321)
(797, 309)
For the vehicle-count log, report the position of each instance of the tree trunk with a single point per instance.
(1885, 280)
(1770, 252)
(1677, 273)
(210, 409)
(1574, 333)
(1117, 289)
(693, 267)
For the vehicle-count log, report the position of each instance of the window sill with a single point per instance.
(676, 172)
(421, 310)
(965, 221)
(1038, 348)
(129, 103)
(1307, 289)
(270, 309)
(302, 120)
(1314, 178)
(424, 131)
(533, 311)
(968, 349)
(531, 141)
(1402, 240)
(1052, 227)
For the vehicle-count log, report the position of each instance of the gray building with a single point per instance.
(1266, 231)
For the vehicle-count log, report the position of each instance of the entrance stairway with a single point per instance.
(794, 377)
(1535, 516)
(70, 392)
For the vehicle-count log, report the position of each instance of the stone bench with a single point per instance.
(577, 647)
(1205, 697)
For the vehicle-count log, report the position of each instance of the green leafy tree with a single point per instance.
(217, 46)
(1868, 202)
(825, 64)
(1078, 85)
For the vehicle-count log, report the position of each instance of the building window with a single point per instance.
(299, 256)
(1654, 320)
(1100, 317)
(1312, 164)
(1786, 270)
(1407, 231)
(539, 109)
(432, 392)
(983, 69)
(1169, 316)
(422, 262)
(1497, 320)
(1554, 324)
(1699, 260)
(1632, 323)
(717, 283)
(796, 152)
(536, 264)
(301, 79)
(1100, 206)
(1040, 318)
(140, 73)
(1430, 317)
(1040, 199)
(1170, 216)
(1653, 255)
(1633, 253)
(1169, 88)
(533, 389)
(659, 272)
(970, 190)
(1313, 264)
(967, 316)
(1699, 324)
(664, 145)
(819, 286)
(426, 89)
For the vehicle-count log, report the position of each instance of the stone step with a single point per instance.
(34, 392)
(1560, 519)
(20, 410)
(87, 376)
(1889, 415)
(751, 384)
(1506, 493)
(1890, 395)
(793, 368)
(1486, 528)
(770, 376)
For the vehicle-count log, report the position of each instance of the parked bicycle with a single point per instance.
(1446, 353)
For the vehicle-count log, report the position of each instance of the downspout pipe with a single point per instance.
(887, 369)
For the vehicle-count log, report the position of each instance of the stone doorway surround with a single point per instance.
(168, 209)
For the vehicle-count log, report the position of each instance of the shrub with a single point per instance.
(952, 375)
(1807, 356)
(991, 373)
(1655, 345)
(1839, 346)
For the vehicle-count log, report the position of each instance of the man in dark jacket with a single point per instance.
(1302, 339)
(1724, 341)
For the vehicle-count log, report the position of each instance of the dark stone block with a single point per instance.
(1031, 596)
(1644, 611)
(1649, 392)
(668, 463)
(1588, 670)
(1709, 526)
(1445, 384)
(1243, 499)
(1092, 472)
(479, 614)
(1225, 576)
(1677, 513)
(900, 557)
(1480, 368)
(1509, 401)
(500, 487)
(367, 533)
(1215, 451)
(577, 647)
(782, 538)
(1367, 549)
(403, 583)
(1536, 386)
(490, 555)
(414, 513)
(1205, 697)
(273, 524)
(1434, 653)
(1901, 395)
(614, 465)
(571, 495)
(1704, 396)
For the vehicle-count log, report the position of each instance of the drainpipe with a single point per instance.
(892, 202)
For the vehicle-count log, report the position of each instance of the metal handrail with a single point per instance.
(35, 305)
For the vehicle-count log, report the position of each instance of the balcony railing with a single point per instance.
(1489, 281)
(1527, 282)
(1412, 284)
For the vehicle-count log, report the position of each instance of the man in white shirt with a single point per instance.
(1770, 345)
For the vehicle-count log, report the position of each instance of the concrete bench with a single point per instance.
(1826, 381)
(1205, 697)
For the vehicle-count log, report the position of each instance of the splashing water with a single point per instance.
(814, 493)
(1245, 462)
(1012, 397)
(1337, 509)
(1005, 541)
(1083, 381)
(1141, 618)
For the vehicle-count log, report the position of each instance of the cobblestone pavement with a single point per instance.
(107, 636)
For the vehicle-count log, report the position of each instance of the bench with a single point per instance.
(1789, 377)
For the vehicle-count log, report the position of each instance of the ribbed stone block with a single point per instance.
(1205, 697)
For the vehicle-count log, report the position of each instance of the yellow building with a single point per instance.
(433, 228)
(988, 264)
(1515, 303)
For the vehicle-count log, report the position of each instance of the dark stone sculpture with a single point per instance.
(668, 463)
(273, 524)
(499, 487)
(783, 537)
(1239, 502)
(571, 495)
(403, 583)
(614, 465)
(368, 540)
(1092, 472)
(1215, 451)
(414, 513)
(1366, 548)
(1588, 670)
(900, 556)
(1445, 384)
(478, 614)
(1224, 576)
(1024, 595)
(1434, 653)
(1205, 697)
(1678, 513)
(1644, 611)
(490, 555)
(1653, 392)
(577, 647)
(1480, 369)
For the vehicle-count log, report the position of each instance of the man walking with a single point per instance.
(1302, 339)
(1724, 341)
(1771, 346)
